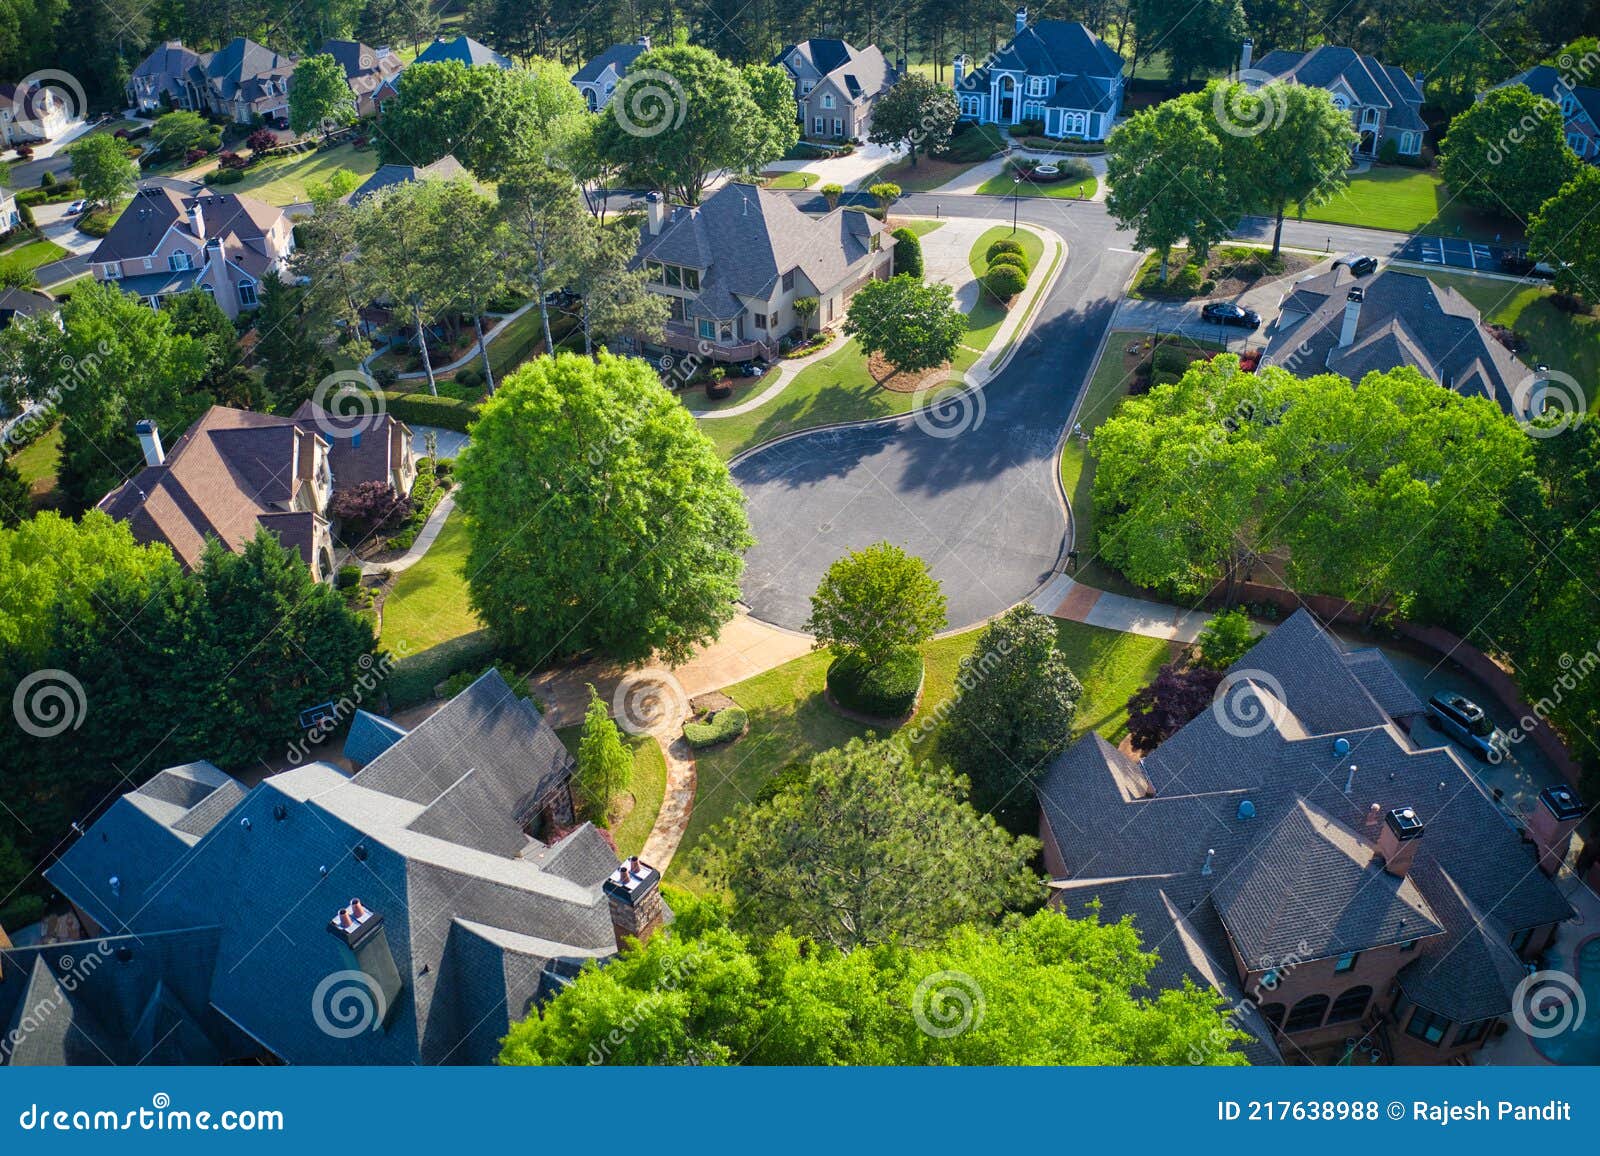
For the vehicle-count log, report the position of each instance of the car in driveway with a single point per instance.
(1358, 264)
(1465, 721)
(1227, 313)
(76, 208)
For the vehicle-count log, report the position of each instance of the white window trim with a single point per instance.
(1036, 86)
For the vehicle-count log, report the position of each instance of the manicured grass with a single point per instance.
(37, 463)
(790, 722)
(968, 147)
(283, 180)
(921, 226)
(1004, 186)
(26, 258)
(648, 787)
(793, 180)
(1406, 200)
(1566, 342)
(428, 604)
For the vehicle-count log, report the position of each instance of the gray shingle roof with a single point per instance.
(468, 51)
(1294, 869)
(369, 736)
(1369, 81)
(1084, 65)
(824, 53)
(618, 56)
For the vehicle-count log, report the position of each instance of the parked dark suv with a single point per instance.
(1464, 720)
(1360, 266)
(1227, 313)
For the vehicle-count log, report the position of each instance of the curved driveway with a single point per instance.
(983, 507)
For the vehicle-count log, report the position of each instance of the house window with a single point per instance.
(675, 308)
(247, 293)
(1474, 1032)
(1307, 1013)
(830, 308)
(838, 127)
(112, 271)
(1074, 123)
(708, 330)
(1410, 144)
(761, 320)
(1350, 1005)
(816, 125)
(788, 281)
(178, 261)
(1345, 962)
(691, 280)
(149, 263)
(1033, 111)
(772, 321)
(1036, 85)
(1273, 1014)
(1427, 1026)
(674, 277)
(1519, 940)
(827, 100)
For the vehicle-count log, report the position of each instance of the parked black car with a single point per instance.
(1465, 721)
(1358, 264)
(1227, 313)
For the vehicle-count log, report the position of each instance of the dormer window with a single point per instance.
(247, 294)
(179, 261)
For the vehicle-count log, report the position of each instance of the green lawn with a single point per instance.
(648, 788)
(793, 180)
(1032, 247)
(790, 722)
(26, 258)
(1406, 200)
(1564, 341)
(1004, 186)
(972, 144)
(37, 463)
(428, 604)
(921, 226)
(283, 180)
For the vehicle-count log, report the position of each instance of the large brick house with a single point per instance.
(1055, 73)
(1385, 104)
(836, 86)
(1333, 870)
(1579, 105)
(733, 266)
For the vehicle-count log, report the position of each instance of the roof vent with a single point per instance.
(245, 822)
(115, 883)
(1211, 854)
(1341, 747)
(280, 812)
(1350, 780)
(1247, 809)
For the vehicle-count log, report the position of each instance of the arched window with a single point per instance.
(1273, 1014)
(1350, 1005)
(1306, 1014)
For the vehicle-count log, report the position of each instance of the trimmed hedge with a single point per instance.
(425, 409)
(347, 577)
(1015, 260)
(412, 679)
(907, 253)
(887, 690)
(727, 724)
(1004, 245)
(1005, 281)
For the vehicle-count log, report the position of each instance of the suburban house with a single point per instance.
(1055, 73)
(836, 86)
(10, 215)
(235, 472)
(599, 78)
(169, 240)
(446, 168)
(733, 266)
(1384, 103)
(1333, 871)
(248, 82)
(170, 77)
(1337, 322)
(32, 115)
(365, 70)
(406, 913)
(464, 49)
(24, 303)
(1579, 104)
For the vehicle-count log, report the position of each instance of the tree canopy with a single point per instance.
(916, 114)
(1565, 232)
(320, 98)
(105, 173)
(875, 602)
(601, 516)
(913, 325)
(1508, 153)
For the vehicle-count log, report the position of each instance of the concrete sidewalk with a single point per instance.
(1063, 597)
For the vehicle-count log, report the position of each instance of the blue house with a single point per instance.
(1053, 72)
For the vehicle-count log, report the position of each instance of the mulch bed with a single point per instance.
(885, 375)
(710, 703)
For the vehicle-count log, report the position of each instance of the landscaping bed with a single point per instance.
(1229, 271)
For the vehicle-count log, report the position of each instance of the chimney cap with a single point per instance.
(1561, 802)
(1357, 295)
(1404, 823)
(1341, 746)
(653, 197)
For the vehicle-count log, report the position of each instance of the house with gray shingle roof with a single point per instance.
(836, 86)
(438, 895)
(170, 77)
(366, 70)
(1339, 323)
(1335, 875)
(1384, 103)
(248, 82)
(1053, 72)
(733, 266)
(1579, 104)
(464, 49)
(599, 78)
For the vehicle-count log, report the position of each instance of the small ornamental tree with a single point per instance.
(369, 506)
(916, 114)
(912, 325)
(105, 173)
(831, 194)
(261, 140)
(604, 765)
(1178, 694)
(1224, 640)
(907, 253)
(805, 308)
(876, 602)
(885, 193)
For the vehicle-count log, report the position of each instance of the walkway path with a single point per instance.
(968, 183)
(471, 355)
(425, 536)
(1063, 597)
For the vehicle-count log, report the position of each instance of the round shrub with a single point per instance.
(1075, 169)
(1005, 281)
(1003, 245)
(347, 577)
(727, 724)
(887, 690)
(1016, 260)
(907, 253)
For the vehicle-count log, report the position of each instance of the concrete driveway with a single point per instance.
(850, 172)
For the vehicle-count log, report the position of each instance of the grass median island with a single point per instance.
(1004, 186)
(790, 721)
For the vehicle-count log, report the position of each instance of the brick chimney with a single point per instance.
(1022, 18)
(1551, 824)
(959, 65)
(1247, 52)
(150, 442)
(655, 208)
(633, 892)
(1352, 316)
(1398, 840)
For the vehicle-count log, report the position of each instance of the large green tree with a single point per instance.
(869, 849)
(105, 173)
(914, 326)
(876, 602)
(1565, 233)
(601, 517)
(1047, 990)
(320, 99)
(916, 114)
(1508, 153)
